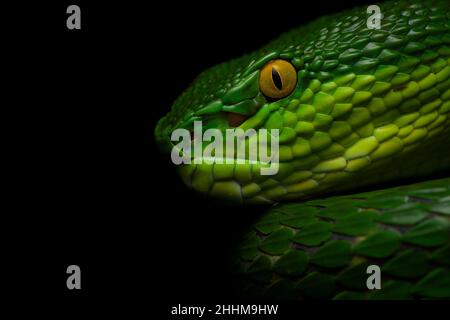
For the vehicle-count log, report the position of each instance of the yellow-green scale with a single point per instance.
(349, 128)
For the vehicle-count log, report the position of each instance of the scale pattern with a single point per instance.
(369, 106)
(322, 248)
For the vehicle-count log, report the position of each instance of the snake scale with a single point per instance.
(354, 106)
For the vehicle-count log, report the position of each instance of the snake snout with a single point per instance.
(162, 135)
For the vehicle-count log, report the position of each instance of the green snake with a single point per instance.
(354, 106)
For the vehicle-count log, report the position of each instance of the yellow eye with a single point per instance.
(277, 79)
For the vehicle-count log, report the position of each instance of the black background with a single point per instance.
(94, 190)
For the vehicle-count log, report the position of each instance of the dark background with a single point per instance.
(97, 193)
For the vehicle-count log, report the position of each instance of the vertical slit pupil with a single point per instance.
(276, 79)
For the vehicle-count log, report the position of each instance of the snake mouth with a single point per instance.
(230, 181)
(236, 174)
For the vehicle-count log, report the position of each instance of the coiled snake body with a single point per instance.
(353, 107)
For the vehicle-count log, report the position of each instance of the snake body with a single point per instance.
(368, 106)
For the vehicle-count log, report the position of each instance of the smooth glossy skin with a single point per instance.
(366, 105)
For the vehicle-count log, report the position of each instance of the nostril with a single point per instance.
(235, 119)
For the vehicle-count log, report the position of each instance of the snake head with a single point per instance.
(241, 96)
(346, 106)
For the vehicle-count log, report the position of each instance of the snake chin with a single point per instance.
(230, 183)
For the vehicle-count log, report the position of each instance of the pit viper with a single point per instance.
(354, 106)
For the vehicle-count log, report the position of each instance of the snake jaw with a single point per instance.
(223, 182)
